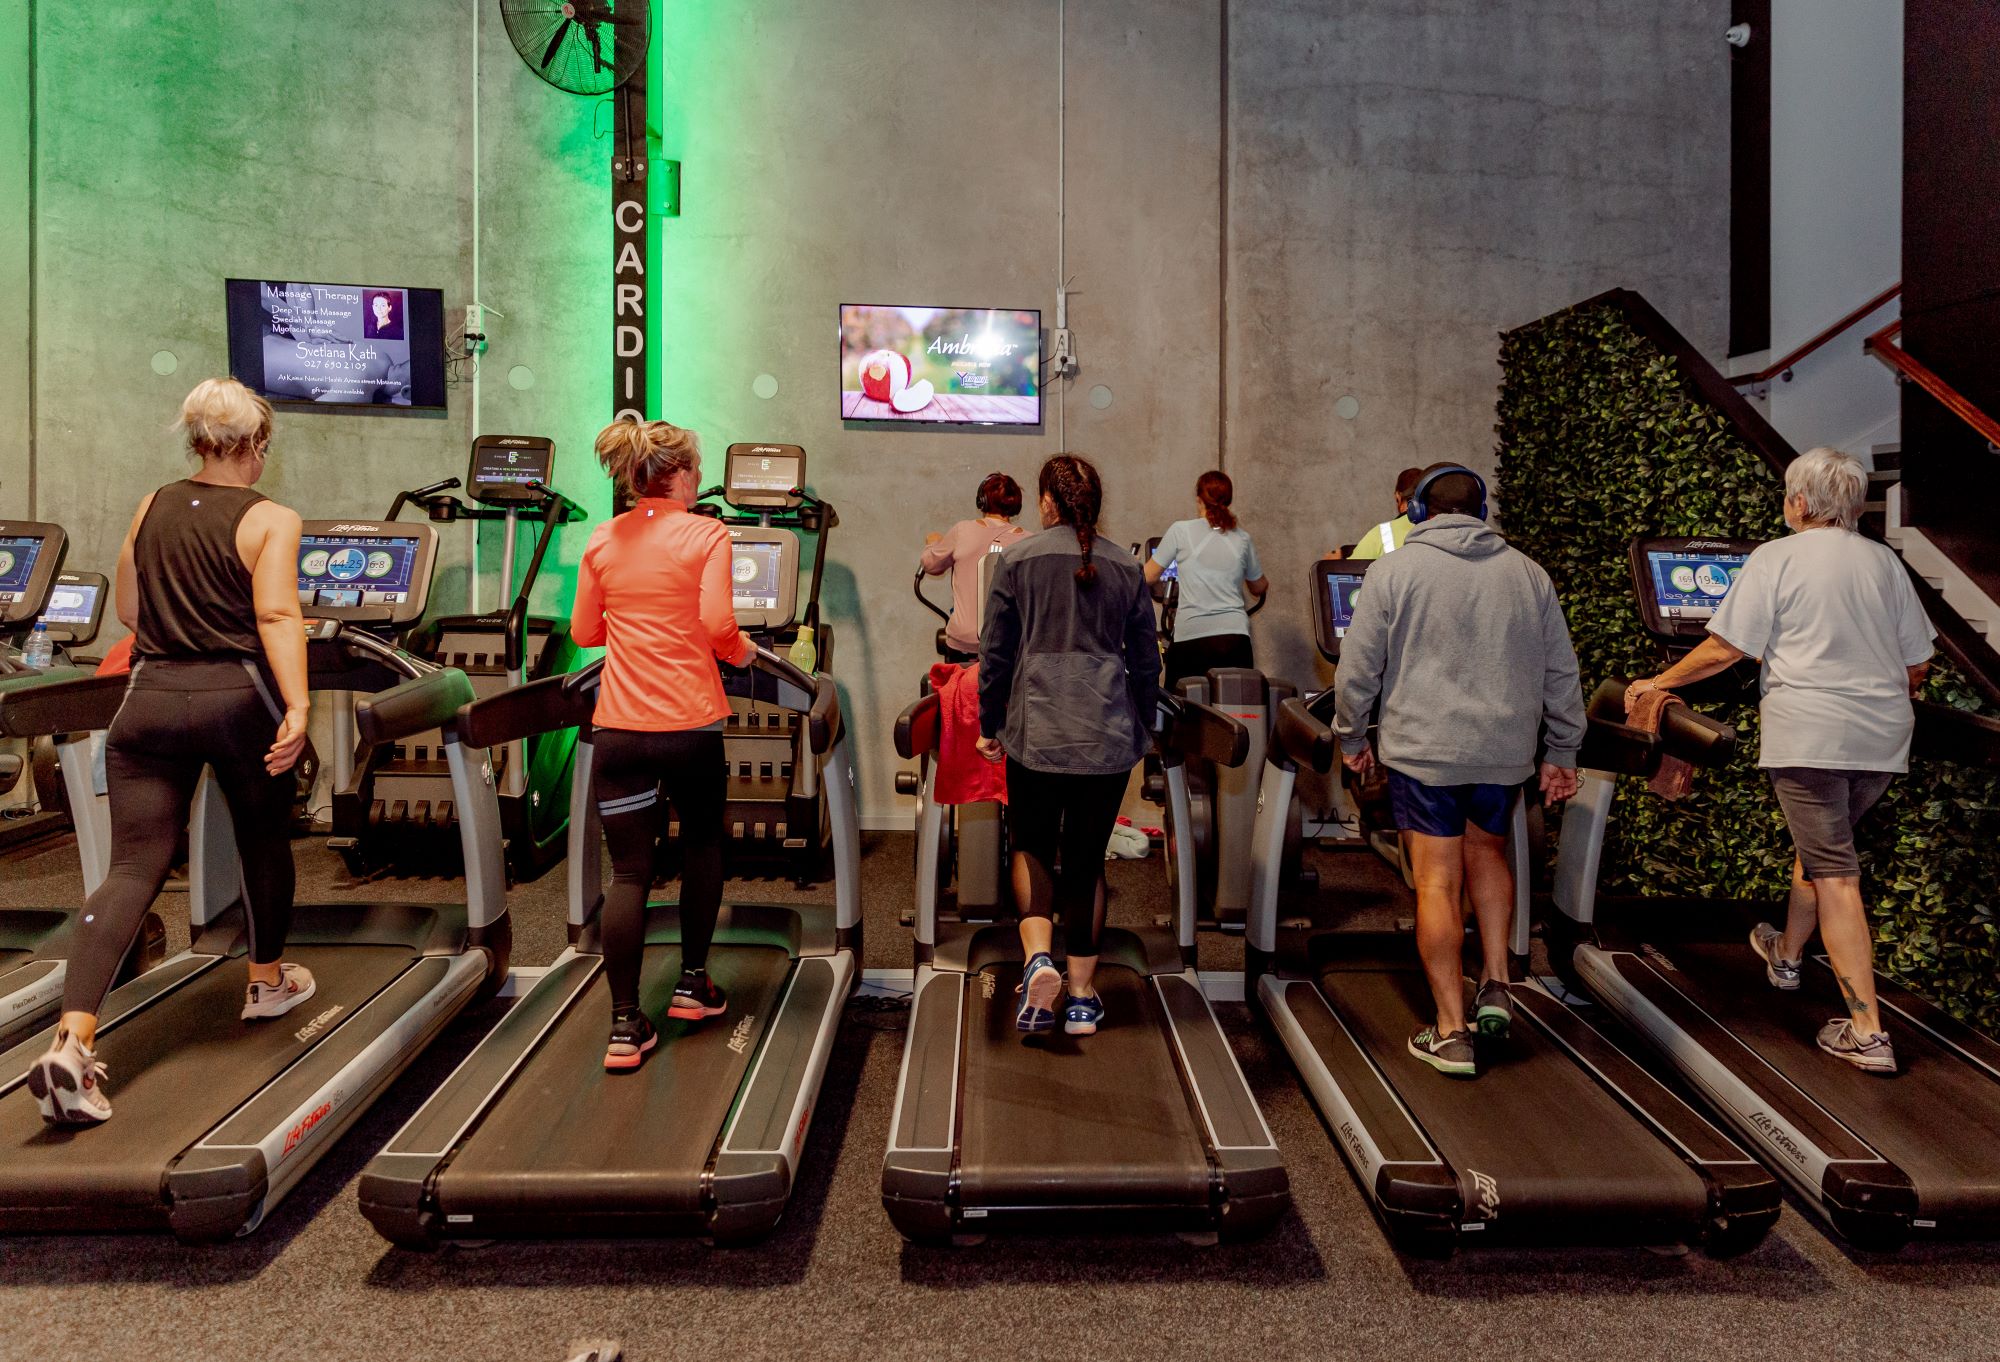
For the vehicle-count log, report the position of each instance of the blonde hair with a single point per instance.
(223, 419)
(1833, 486)
(642, 455)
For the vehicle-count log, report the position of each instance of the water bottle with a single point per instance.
(804, 652)
(41, 649)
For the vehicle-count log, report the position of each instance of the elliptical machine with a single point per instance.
(971, 859)
(1222, 801)
(396, 804)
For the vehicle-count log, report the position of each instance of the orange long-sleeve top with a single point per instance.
(654, 591)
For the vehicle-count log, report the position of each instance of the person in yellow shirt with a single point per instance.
(1388, 536)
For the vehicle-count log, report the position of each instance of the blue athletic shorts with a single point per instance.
(1444, 810)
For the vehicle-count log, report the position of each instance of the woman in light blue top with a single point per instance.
(1213, 559)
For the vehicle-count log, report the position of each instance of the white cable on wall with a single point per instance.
(473, 434)
(1062, 218)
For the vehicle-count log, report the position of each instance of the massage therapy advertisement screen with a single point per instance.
(337, 344)
(945, 365)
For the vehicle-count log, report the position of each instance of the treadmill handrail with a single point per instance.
(1300, 739)
(917, 727)
(420, 703)
(1684, 733)
(1185, 728)
(59, 700)
(928, 603)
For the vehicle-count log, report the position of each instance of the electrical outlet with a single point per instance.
(475, 328)
(1062, 351)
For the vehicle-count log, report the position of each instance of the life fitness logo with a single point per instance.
(354, 529)
(296, 1136)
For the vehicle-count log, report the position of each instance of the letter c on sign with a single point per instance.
(637, 215)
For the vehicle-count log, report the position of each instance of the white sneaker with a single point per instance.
(263, 1001)
(68, 1082)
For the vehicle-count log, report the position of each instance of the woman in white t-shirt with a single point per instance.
(1844, 645)
(1213, 560)
(962, 548)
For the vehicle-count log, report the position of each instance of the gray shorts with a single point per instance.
(1822, 808)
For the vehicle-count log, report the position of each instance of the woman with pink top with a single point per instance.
(960, 550)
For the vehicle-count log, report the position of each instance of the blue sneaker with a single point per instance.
(1081, 1016)
(1041, 981)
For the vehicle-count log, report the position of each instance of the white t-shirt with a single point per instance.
(1212, 566)
(1836, 623)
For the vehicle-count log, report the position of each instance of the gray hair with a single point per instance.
(1834, 486)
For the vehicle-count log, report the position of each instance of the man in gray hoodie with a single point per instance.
(1462, 642)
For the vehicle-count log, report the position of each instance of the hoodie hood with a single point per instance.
(1462, 536)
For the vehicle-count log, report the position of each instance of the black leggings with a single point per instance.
(1198, 655)
(633, 771)
(1050, 813)
(177, 718)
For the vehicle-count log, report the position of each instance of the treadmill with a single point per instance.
(532, 1138)
(1883, 1159)
(62, 703)
(1146, 1125)
(1562, 1139)
(217, 1119)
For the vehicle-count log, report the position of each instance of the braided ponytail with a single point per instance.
(1072, 484)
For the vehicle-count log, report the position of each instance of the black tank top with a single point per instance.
(194, 592)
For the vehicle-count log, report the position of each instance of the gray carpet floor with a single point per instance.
(835, 1281)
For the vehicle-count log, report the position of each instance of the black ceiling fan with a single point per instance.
(586, 47)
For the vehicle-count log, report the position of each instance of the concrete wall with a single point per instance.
(15, 237)
(1406, 181)
(1836, 211)
(1398, 183)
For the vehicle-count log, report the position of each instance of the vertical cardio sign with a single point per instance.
(628, 237)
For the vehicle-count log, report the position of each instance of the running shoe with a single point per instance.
(1493, 1009)
(1871, 1054)
(1041, 984)
(1082, 1016)
(68, 1082)
(697, 996)
(1450, 1054)
(1765, 940)
(264, 1001)
(632, 1038)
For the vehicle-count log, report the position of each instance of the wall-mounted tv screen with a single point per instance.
(361, 345)
(943, 365)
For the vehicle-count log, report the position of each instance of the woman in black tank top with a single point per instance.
(208, 584)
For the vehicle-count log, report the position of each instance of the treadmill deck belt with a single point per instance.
(1535, 1138)
(1957, 1173)
(175, 1070)
(568, 1136)
(1098, 1120)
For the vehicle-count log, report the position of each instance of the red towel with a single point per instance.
(963, 776)
(119, 660)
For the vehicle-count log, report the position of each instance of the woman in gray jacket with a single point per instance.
(1068, 690)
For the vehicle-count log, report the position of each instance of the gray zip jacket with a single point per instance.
(1069, 676)
(1463, 642)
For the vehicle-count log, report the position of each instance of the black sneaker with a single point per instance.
(697, 996)
(1450, 1054)
(1493, 1009)
(632, 1037)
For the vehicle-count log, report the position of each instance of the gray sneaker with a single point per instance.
(1450, 1054)
(1493, 1009)
(1783, 973)
(1871, 1054)
(68, 1084)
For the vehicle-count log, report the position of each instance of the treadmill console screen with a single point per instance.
(505, 468)
(72, 606)
(1334, 587)
(1680, 582)
(755, 570)
(350, 571)
(18, 553)
(763, 475)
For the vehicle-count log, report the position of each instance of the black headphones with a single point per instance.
(1420, 509)
(979, 500)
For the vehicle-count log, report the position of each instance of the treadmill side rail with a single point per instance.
(918, 1189)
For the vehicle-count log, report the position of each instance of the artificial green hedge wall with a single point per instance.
(1602, 441)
